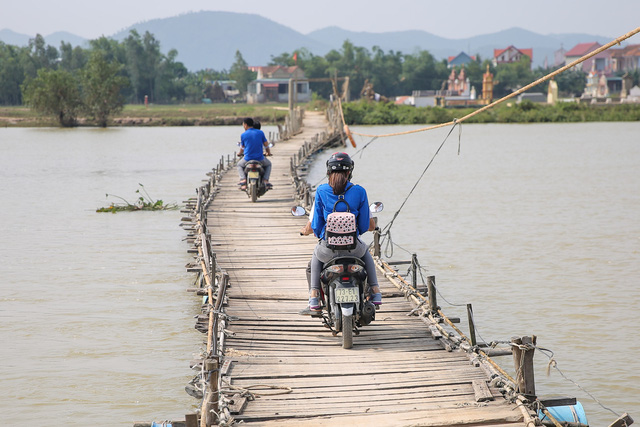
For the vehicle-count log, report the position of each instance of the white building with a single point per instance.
(272, 85)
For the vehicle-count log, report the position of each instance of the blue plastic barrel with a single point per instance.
(570, 413)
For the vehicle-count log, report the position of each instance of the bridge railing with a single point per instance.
(211, 283)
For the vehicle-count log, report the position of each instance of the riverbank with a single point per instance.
(355, 113)
(159, 115)
(379, 113)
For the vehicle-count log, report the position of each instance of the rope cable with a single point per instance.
(388, 226)
(553, 363)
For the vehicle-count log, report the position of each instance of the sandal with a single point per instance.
(243, 187)
(243, 182)
(314, 303)
(376, 299)
(269, 186)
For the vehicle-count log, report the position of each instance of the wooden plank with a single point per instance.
(481, 390)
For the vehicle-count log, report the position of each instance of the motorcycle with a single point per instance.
(254, 171)
(255, 185)
(344, 292)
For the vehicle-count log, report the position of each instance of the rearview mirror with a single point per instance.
(298, 211)
(376, 207)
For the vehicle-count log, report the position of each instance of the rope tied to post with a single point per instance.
(246, 391)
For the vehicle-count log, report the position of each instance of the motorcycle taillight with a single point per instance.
(355, 268)
(337, 268)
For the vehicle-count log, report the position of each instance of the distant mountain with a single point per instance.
(211, 39)
(15, 39)
(61, 36)
(442, 48)
(54, 39)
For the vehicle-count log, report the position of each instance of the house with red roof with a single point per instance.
(625, 59)
(272, 84)
(510, 55)
(600, 62)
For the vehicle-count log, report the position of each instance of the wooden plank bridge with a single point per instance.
(267, 364)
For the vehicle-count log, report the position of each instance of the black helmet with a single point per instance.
(339, 162)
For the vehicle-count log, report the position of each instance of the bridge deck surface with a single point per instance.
(395, 374)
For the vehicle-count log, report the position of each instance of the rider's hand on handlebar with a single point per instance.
(306, 230)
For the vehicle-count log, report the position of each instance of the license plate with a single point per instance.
(347, 295)
(254, 175)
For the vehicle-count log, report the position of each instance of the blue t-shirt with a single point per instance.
(355, 196)
(252, 140)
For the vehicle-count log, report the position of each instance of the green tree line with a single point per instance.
(395, 74)
(97, 81)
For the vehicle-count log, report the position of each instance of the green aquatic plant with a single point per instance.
(144, 203)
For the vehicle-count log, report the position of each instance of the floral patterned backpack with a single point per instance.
(341, 230)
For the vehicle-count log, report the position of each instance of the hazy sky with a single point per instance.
(451, 19)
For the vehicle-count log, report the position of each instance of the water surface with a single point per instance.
(536, 225)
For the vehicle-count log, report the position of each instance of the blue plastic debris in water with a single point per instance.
(162, 424)
(570, 413)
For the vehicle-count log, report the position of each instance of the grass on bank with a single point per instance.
(356, 113)
(159, 115)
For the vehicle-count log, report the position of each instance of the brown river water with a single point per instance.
(538, 226)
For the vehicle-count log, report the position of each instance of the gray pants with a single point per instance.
(266, 164)
(322, 255)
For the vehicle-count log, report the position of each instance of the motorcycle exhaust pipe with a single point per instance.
(368, 314)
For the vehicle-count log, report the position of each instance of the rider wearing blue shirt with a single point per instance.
(354, 195)
(339, 169)
(252, 143)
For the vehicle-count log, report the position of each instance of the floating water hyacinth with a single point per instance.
(144, 203)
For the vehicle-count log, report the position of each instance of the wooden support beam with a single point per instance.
(623, 421)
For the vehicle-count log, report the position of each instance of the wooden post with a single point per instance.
(523, 361)
(307, 198)
(347, 96)
(414, 270)
(472, 327)
(291, 100)
(431, 292)
(198, 200)
(211, 366)
(191, 420)
(376, 238)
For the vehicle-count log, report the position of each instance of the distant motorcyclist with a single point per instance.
(252, 143)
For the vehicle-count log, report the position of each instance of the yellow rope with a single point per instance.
(511, 95)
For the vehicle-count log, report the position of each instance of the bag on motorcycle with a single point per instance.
(341, 231)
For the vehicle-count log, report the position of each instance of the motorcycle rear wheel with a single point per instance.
(253, 191)
(347, 331)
